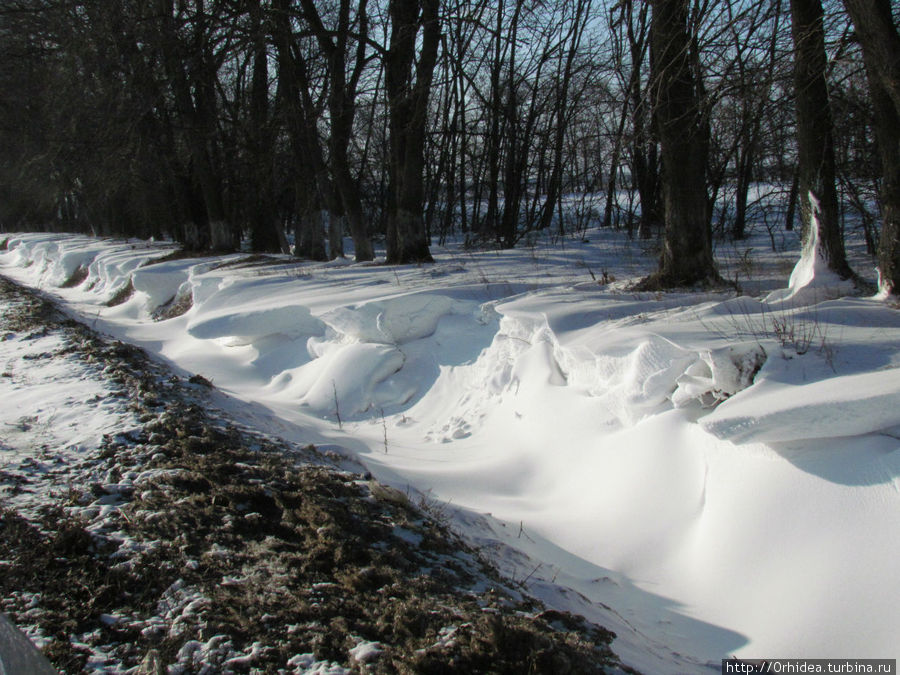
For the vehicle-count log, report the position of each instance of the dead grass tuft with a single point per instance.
(178, 305)
(255, 260)
(77, 277)
(122, 295)
(178, 254)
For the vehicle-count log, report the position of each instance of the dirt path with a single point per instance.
(180, 543)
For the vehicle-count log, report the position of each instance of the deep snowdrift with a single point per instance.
(706, 475)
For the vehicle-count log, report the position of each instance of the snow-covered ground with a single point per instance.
(707, 475)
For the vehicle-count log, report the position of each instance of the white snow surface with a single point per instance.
(707, 475)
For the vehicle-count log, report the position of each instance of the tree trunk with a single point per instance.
(744, 177)
(792, 201)
(880, 43)
(264, 235)
(408, 85)
(616, 153)
(310, 180)
(308, 240)
(342, 111)
(687, 249)
(815, 140)
(198, 121)
(644, 159)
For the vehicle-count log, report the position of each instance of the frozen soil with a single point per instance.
(187, 544)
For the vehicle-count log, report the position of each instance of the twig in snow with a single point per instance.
(337, 407)
(525, 580)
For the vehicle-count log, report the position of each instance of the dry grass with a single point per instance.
(231, 553)
(178, 305)
(77, 277)
(122, 295)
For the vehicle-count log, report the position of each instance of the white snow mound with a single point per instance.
(851, 405)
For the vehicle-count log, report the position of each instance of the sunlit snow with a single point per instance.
(706, 475)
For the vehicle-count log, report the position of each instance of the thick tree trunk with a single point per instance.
(335, 234)
(880, 42)
(687, 249)
(264, 226)
(876, 32)
(348, 188)
(408, 86)
(308, 240)
(815, 140)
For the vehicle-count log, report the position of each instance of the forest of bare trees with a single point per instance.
(285, 125)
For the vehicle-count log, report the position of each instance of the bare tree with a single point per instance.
(878, 36)
(408, 84)
(577, 23)
(343, 85)
(265, 234)
(753, 88)
(815, 140)
(687, 248)
(308, 177)
(187, 30)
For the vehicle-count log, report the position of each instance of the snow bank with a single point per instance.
(393, 321)
(244, 327)
(350, 379)
(776, 412)
(709, 475)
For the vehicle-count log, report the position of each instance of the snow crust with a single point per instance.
(706, 475)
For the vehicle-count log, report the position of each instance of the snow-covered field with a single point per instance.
(707, 475)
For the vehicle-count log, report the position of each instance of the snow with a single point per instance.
(811, 276)
(52, 412)
(365, 651)
(706, 475)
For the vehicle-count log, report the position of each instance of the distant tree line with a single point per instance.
(217, 122)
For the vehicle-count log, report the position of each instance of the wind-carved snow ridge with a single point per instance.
(245, 327)
(811, 411)
(101, 269)
(658, 374)
(652, 376)
(381, 355)
(394, 321)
